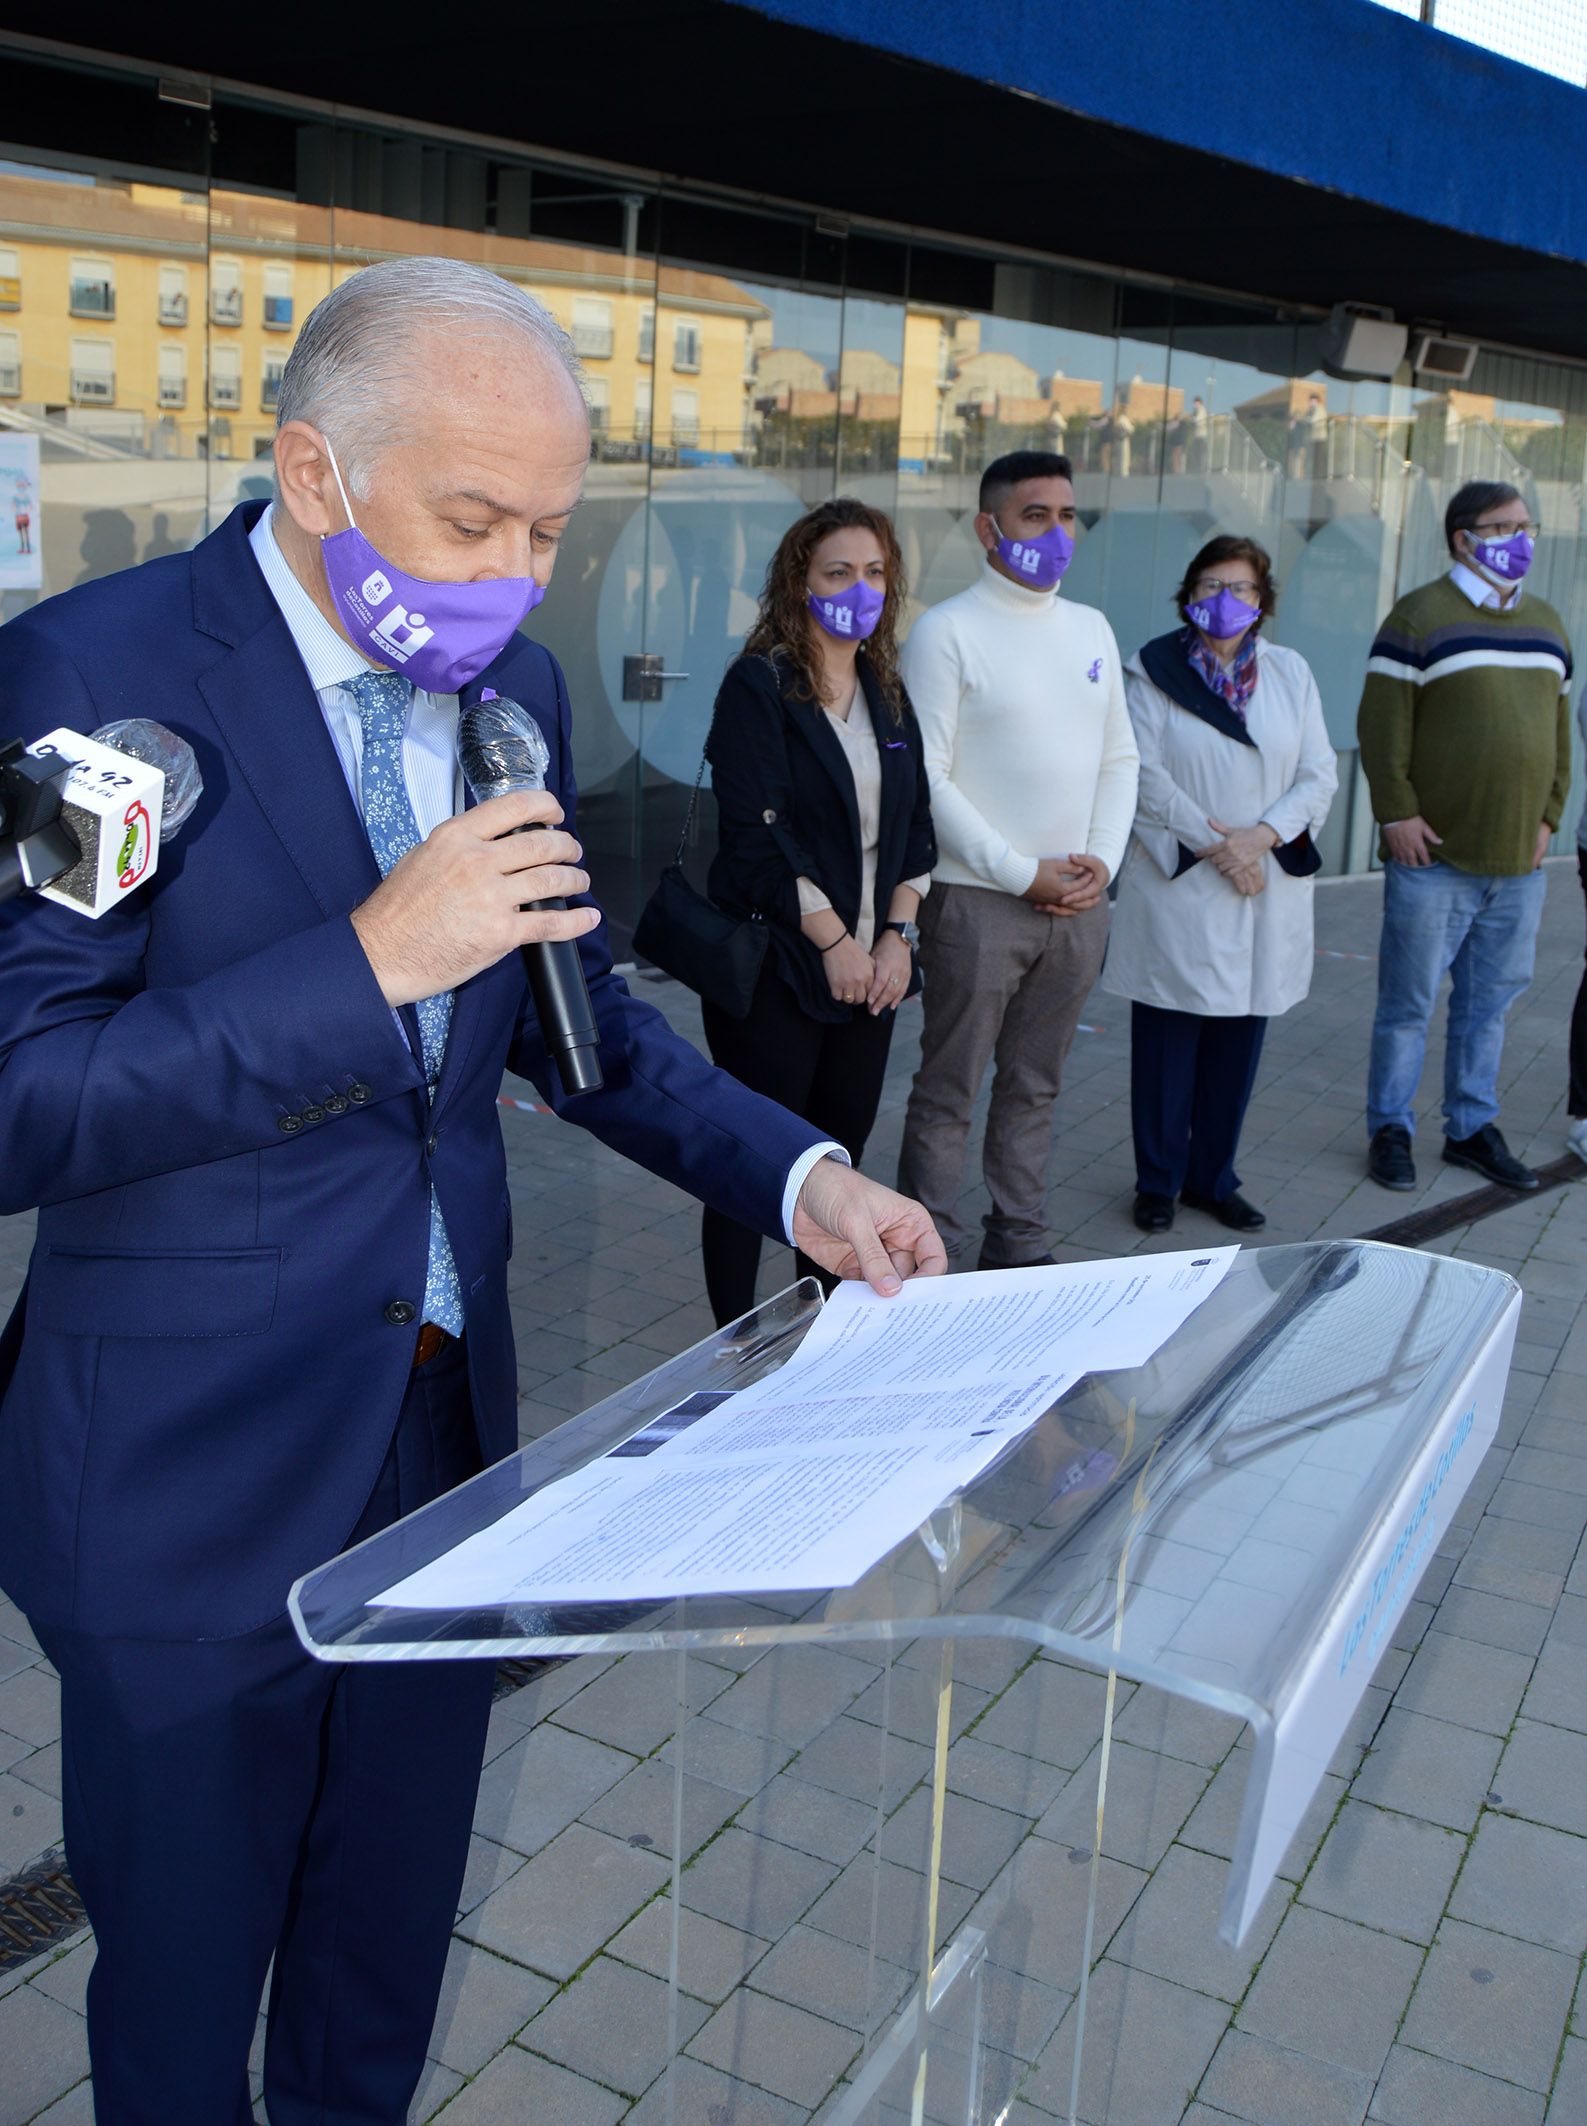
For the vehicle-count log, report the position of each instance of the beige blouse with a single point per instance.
(857, 737)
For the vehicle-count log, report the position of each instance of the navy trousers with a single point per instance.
(234, 1800)
(1190, 1085)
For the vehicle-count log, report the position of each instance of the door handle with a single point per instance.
(642, 677)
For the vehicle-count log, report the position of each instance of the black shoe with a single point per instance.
(1487, 1153)
(1389, 1159)
(1233, 1211)
(1153, 1214)
(995, 1262)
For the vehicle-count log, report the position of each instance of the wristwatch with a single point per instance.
(909, 932)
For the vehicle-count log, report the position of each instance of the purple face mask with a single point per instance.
(1222, 617)
(1037, 562)
(851, 615)
(439, 635)
(1508, 559)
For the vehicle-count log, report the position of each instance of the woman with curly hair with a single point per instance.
(824, 831)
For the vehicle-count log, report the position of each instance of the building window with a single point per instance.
(685, 417)
(647, 333)
(10, 365)
(225, 379)
(644, 398)
(225, 291)
(92, 376)
(592, 328)
(173, 375)
(686, 343)
(270, 382)
(173, 295)
(93, 292)
(598, 397)
(10, 279)
(278, 298)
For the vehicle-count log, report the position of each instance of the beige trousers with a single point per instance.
(1003, 983)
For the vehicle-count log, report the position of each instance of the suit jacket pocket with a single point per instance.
(175, 1292)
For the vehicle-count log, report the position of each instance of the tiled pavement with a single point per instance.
(1419, 1963)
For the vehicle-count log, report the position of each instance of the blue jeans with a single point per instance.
(1483, 933)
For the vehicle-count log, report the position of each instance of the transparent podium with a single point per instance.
(894, 1827)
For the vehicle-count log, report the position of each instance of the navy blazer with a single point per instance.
(786, 810)
(231, 1142)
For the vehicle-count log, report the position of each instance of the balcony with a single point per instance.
(10, 291)
(92, 387)
(225, 306)
(277, 312)
(173, 310)
(269, 391)
(92, 299)
(10, 380)
(685, 435)
(686, 355)
(173, 393)
(647, 339)
(593, 342)
(225, 393)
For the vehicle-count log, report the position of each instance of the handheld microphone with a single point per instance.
(502, 749)
(82, 820)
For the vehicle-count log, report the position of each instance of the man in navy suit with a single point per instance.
(267, 1310)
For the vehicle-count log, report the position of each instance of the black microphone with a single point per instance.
(500, 749)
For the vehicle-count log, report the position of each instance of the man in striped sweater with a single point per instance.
(1465, 740)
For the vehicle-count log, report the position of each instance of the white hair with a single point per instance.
(351, 372)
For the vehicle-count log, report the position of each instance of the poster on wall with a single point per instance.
(21, 547)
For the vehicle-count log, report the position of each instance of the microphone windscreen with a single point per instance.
(159, 748)
(500, 748)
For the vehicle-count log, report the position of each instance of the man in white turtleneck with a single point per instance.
(1020, 696)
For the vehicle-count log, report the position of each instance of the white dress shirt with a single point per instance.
(1481, 592)
(429, 745)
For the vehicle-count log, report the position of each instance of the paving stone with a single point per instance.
(1213, 1825)
(518, 2087)
(1049, 1712)
(1468, 1613)
(1331, 1989)
(851, 1758)
(753, 1883)
(76, 2108)
(741, 1763)
(65, 1978)
(1257, 2081)
(1172, 1929)
(1488, 2002)
(1177, 1727)
(708, 2096)
(1388, 1871)
(541, 1783)
(712, 1958)
(976, 1840)
(904, 1701)
(1543, 1775)
(1003, 1778)
(1146, 2046)
(485, 2000)
(634, 1705)
(1464, 1683)
(838, 1980)
(1148, 1798)
(795, 1812)
(30, 1823)
(889, 1901)
(1035, 1912)
(30, 1706)
(1526, 1880)
(1569, 2100)
(489, 1865)
(794, 1693)
(640, 1809)
(612, 2025)
(1557, 1694)
(1428, 1768)
(45, 2050)
(561, 1906)
(1416, 2090)
(776, 2046)
(986, 1664)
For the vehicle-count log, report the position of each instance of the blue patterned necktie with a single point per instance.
(383, 700)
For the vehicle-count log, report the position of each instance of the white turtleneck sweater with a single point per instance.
(1020, 697)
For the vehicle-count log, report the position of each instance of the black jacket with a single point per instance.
(786, 810)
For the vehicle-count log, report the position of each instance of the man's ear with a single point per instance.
(307, 485)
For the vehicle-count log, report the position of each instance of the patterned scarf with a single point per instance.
(1234, 686)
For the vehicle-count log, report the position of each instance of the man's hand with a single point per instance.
(1412, 841)
(1545, 834)
(856, 1228)
(1074, 883)
(452, 907)
(1052, 881)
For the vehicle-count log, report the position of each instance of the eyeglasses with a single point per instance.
(1529, 525)
(1209, 587)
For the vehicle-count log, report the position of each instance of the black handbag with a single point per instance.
(718, 956)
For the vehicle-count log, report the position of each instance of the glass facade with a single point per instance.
(741, 363)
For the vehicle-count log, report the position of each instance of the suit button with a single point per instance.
(314, 1114)
(289, 1125)
(335, 1104)
(358, 1094)
(429, 1149)
(401, 1313)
